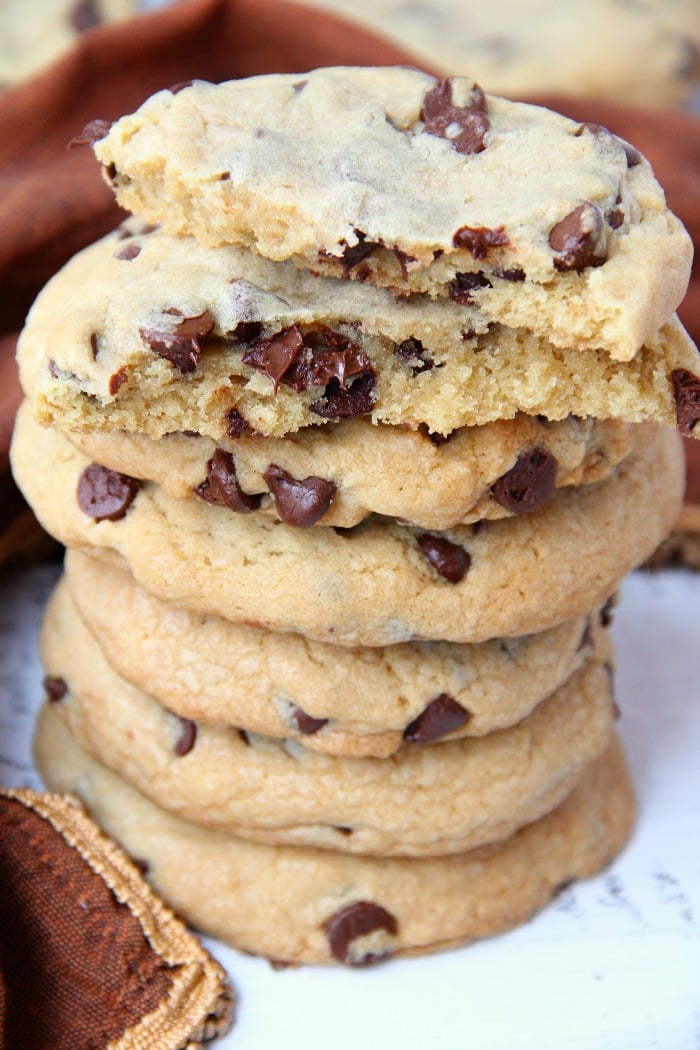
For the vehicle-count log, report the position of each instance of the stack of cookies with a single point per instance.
(351, 433)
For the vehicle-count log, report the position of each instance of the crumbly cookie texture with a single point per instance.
(158, 334)
(377, 584)
(362, 702)
(644, 52)
(299, 904)
(480, 473)
(424, 801)
(33, 35)
(391, 177)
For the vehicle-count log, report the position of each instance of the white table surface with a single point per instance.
(612, 964)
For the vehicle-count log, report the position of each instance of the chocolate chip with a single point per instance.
(93, 131)
(355, 400)
(354, 921)
(85, 15)
(221, 487)
(236, 425)
(447, 558)
(307, 724)
(577, 239)
(105, 494)
(186, 740)
(529, 483)
(464, 126)
(338, 364)
(686, 390)
(413, 351)
(354, 254)
(247, 331)
(514, 274)
(94, 345)
(464, 284)
(180, 341)
(300, 502)
(442, 716)
(55, 687)
(118, 379)
(276, 355)
(128, 252)
(615, 218)
(478, 239)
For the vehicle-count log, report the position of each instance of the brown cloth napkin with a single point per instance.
(89, 957)
(53, 200)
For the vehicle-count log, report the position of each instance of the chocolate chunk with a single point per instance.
(180, 342)
(186, 740)
(93, 131)
(442, 716)
(478, 239)
(464, 126)
(686, 390)
(221, 487)
(307, 724)
(276, 355)
(236, 425)
(578, 239)
(354, 921)
(247, 331)
(354, 254)
(529, 483)
(299, 502)
(105, 494)
(339, 364)
(514, 274)
(55, 687)
(128, 252)
(355, 400)
(615, 218)
(85, 15)
(118, 379)
(413, 351)
(464, 284)
(447, 558)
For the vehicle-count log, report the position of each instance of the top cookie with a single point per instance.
(391, 177)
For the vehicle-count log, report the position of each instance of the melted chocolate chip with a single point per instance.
(128, 252)
(236, 425)
(85, 15)
(464, 126)
(187, 738)
(686, 390)
(340, 365)
(529, 483)
(93, 131)
(577, 239)
(276, 355)
(117, 380)
(300, 502)
(180, 341)
(478, 239)
(443, 715)
(355, 400)
(55, 687)
(307, 724)
(464, 284)
(413, 351)
(354, 921)
(447, 558)
(221, 487)
(105, 494)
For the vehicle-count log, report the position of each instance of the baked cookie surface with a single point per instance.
(423, 801)
(377, 584)
(388, 176)
(306, 905)
(368, 701)
(157, 334)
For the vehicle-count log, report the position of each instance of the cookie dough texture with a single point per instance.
(86, 355)
(644, 52)
(347, 163)
(384, 470)
(281, 901)
(374, 585)
(34, 34)
(424, 801)
(207, 669)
